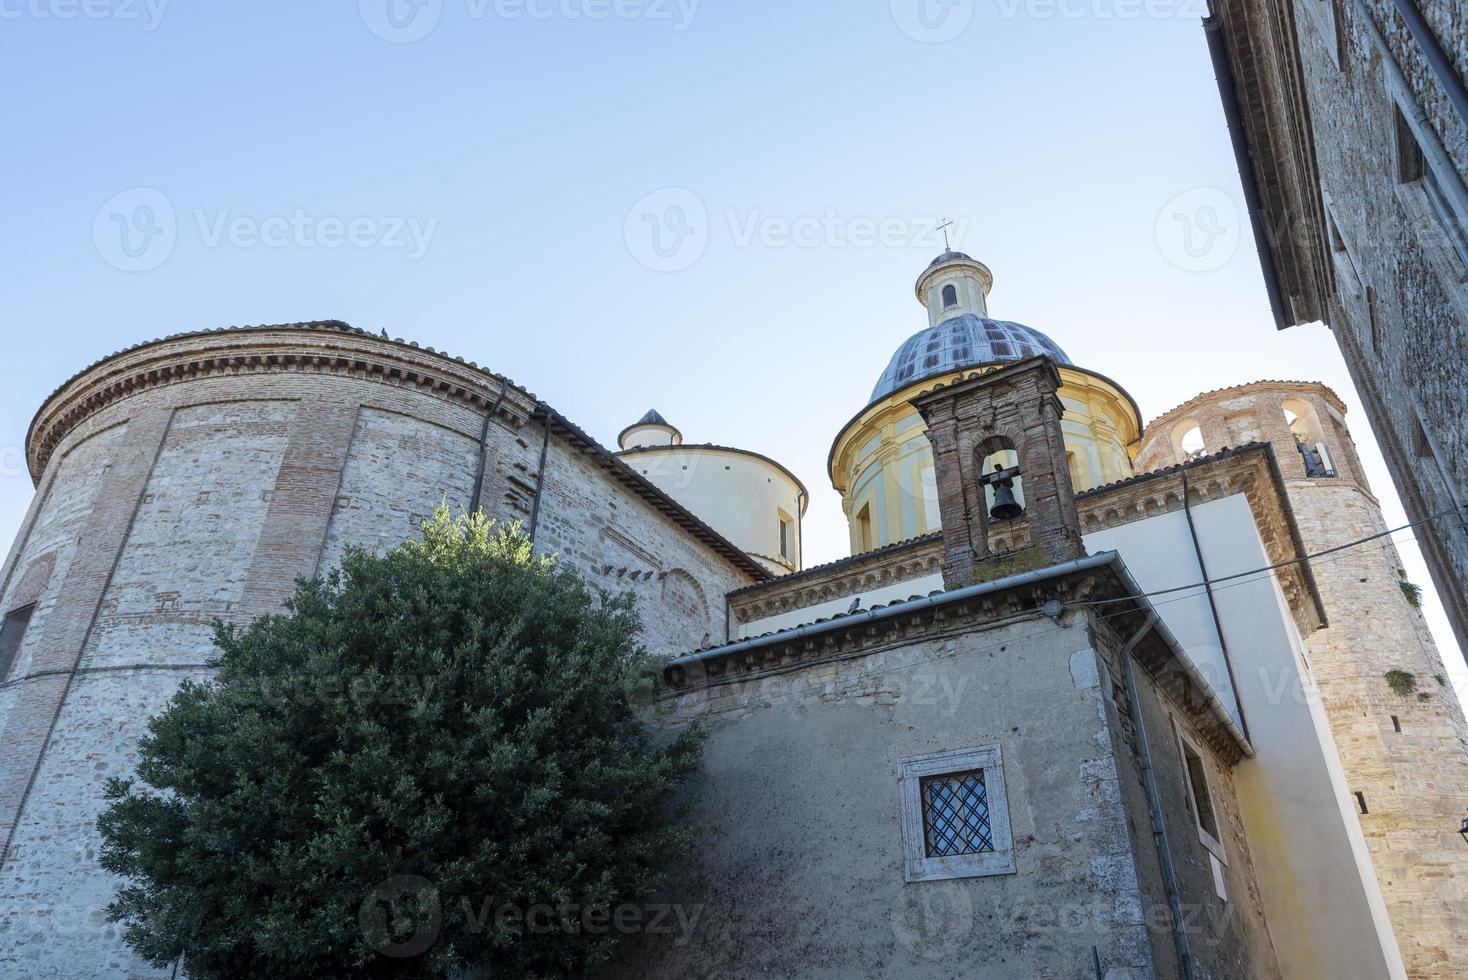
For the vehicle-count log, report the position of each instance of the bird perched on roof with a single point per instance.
(855, 605)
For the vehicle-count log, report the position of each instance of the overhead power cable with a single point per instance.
(1269, 568)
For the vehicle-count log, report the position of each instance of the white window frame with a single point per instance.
(1429, 209)
(1184, 745)
(911, 772)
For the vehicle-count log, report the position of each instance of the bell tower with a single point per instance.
(987, 416)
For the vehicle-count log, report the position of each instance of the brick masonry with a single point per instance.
(1407, 755)
(198, 487)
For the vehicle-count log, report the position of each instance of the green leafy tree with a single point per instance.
(395, 776)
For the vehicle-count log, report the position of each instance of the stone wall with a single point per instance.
(1325, 89)
(1406, 755)
(798, 870)
(196, 479)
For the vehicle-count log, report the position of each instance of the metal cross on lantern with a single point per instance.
(943, 226)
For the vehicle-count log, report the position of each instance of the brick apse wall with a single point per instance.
(194, 479)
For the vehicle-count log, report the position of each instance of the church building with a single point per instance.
(1089, 698)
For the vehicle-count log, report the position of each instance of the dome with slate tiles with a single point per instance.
(963, 341)
(881, 462)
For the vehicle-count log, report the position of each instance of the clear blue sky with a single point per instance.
(1075, 142)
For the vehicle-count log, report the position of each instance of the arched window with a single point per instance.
(1187, 440)
(950, 296)
(1309, 438)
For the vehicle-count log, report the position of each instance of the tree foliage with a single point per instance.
(385, 780)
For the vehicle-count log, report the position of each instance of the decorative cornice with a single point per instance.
(861, 573)
(327, 347)
(1099, 579)
(1249, 470)
(332, 347)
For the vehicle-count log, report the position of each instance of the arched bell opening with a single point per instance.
(1187, 441)
(1002, 479)
(1309, 437)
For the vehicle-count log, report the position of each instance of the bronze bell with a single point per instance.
(1005, 508)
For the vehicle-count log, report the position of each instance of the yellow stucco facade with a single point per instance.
(882, 465)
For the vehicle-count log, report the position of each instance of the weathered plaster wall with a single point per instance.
(799, 869)
(1294, 796)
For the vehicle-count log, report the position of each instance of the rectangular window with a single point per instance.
(864, 529)
(956, 815)
(1200, 796)
(955, 820)
(11, 633)
(1413, 168)
(786, 539)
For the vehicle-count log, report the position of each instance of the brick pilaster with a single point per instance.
(300, 505)
(66, 630)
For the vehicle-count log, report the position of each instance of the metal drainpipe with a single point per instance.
(802, 501)
(1228, 661)
(1437, 58)
(484, 447)
(540, 475)
(1449, 180)
(1154, 800)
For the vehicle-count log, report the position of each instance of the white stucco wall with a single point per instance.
(743, 497)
